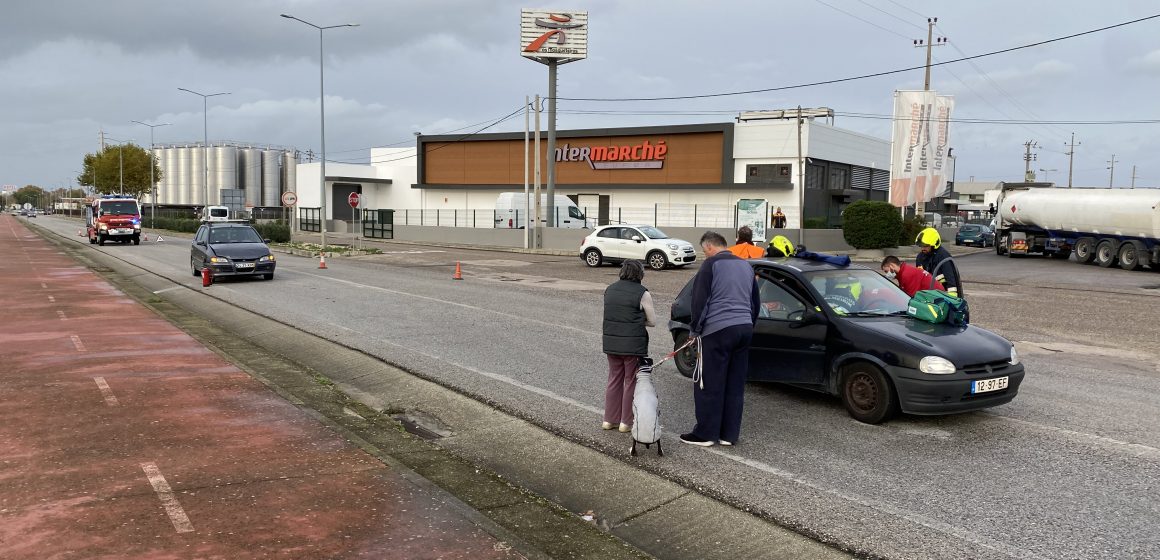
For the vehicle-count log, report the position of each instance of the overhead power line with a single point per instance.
(448, 142)
(874, 116)
(863, 76)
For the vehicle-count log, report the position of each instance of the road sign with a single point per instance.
(352, 200)
(289, 198)
(28, 206)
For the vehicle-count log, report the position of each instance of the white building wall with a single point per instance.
(844, 146)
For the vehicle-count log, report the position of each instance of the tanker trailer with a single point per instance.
(1104, 226)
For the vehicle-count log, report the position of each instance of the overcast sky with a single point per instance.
(71, 68)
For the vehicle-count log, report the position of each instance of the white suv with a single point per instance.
(622, 242)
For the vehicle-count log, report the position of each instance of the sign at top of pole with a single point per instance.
(352, 199)
(553, 35)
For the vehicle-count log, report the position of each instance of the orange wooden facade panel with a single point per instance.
(691, 158)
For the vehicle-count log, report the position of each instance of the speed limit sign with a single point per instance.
(289, 198)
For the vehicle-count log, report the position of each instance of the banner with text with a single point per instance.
(919, 146)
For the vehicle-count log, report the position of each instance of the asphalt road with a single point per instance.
(1067, 470)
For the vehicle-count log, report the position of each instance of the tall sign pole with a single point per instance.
(919, 205)
(553, 38)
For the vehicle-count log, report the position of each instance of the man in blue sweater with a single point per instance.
(725, 303)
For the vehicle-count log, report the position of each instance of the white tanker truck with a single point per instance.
(1104, 226)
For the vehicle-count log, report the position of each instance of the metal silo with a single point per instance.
(197, 176)
(223, 171)
(181, 179)
(167, 171)
(289, 172)
(271, 178)
(250, 174)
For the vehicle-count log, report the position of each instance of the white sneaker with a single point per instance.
(725, 443)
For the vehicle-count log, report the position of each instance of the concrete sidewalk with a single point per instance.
(125, 437)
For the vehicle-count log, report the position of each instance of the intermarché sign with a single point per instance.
(640, 156)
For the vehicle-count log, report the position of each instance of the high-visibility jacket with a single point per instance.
(747, 251)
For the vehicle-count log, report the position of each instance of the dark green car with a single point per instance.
(975, 234)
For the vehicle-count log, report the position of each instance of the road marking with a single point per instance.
(61, 314)
(456, 304)
(76, 340)
(106, 391)
(51, 299)
(43, 285)
(169, 289)
(1134, 449)
(168, 499)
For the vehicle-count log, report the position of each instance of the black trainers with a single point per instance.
(691, 439)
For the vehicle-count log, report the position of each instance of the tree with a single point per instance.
(30, 194)
(105, 170)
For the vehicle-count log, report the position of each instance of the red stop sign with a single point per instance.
(352, 199)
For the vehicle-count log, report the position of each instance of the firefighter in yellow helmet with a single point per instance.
(780, 247)
(931, 255)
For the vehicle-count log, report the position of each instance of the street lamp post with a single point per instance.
(152, 182)
(322, 128)
(205, 132)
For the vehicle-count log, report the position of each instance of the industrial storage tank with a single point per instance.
(250, 174)
(223, 171)
(166, 173)
(181, 180)
(197, 176)
(271, 178)
(289, 171)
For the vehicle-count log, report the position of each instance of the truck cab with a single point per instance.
(113, 218)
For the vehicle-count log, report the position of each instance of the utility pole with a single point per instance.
(919, 205)
(1112, 170)
(1029, 157)
(1133, 176)
(1071, 157)
(801, 182)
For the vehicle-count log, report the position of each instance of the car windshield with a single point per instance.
(119, 207)
(234, 235)
(653, 233)
(971, 228)
(859, 292)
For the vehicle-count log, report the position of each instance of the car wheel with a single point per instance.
(1129, 257)
(136, 239)
(193, 265)
(1085, 250)
(269, 276)
(592, 258)
(656, 260)
(1106, 253)
(867, 394)
(100, 240)
(685, 360)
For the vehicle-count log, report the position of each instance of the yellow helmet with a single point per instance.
(928, 236)
(780, 246)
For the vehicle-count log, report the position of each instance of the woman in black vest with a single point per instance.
(628, 309)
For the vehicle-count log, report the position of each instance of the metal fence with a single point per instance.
(660, 215)
(378, 224)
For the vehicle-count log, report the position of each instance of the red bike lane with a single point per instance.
(123, 437)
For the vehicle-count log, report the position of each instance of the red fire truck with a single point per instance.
(113, 218)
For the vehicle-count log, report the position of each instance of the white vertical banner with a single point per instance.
(910, 149)
(940, 137)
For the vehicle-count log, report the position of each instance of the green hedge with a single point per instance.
(910, 228)
(275, 232)
(183, 225)
(871, 224)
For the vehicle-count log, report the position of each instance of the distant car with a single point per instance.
(844, 330)
(613, 244)
(975, 234)
(231, 249)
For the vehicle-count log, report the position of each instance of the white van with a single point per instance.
(511, 211)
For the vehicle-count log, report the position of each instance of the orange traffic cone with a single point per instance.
(321, 260)
(458, 272)
(144, 237)
(80, 233)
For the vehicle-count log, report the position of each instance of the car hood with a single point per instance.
(961, 345)
(240, 250)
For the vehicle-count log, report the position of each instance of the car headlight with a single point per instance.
(673, 246)
(1014, 356)
(936, 366)
(267, 258)
(103, 226)
(136, 226)
(218, 260)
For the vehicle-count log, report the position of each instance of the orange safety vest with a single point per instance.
(747, 251)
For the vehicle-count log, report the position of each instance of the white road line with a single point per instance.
(61, 314)
(1134, 449)
(76, 340)
(169, 289)
(168, 499)
(106, 391)
(43, 285)
(452, 303)
(51, 299)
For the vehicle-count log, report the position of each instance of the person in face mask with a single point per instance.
(910, 278)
